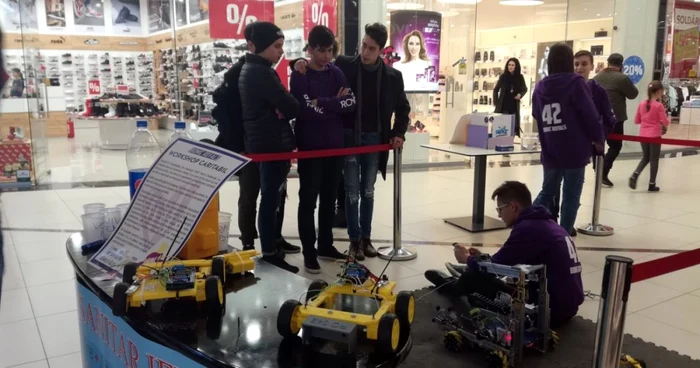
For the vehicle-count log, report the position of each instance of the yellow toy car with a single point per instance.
(199, 279)
(393, 314)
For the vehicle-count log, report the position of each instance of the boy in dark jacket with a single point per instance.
(267, 108)
(535, 239)
(324, 96)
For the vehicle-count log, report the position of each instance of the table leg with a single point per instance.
(478, 222)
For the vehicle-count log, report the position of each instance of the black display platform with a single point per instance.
(252, 302)
(575, 349)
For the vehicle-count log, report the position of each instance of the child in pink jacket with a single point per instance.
(651, 115)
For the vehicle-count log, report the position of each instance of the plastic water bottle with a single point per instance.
(142, 153)
(180, 131)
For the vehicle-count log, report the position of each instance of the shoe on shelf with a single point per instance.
(356, 251)
(331, 254)
(311, 265)
(277, 261)
(368, 248)
(440, 280)
(607, 183)
(455, 269)
(633, 181)
(653, 188)
(286, 247)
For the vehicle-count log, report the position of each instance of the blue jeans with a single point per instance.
(360, 175)
(571, 193)
(273, 182)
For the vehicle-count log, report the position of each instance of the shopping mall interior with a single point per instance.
(83, 72)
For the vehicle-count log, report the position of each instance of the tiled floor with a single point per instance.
(38, 319)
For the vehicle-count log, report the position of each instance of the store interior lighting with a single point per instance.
(404, 6)
(521, 2)
(463, 2)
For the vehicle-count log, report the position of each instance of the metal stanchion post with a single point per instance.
(594, 228)
(617, 278)
(397, 251)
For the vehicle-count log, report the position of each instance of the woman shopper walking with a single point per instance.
(651, 115)
(568, 123)
(509, 89)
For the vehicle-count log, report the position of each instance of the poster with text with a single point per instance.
(11, 19)
(126, 17)
(56, 13)
(89, 16)
(199, 10)
(684, 54)
(158, 15)
(415, 37)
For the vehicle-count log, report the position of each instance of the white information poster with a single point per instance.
(177, 189)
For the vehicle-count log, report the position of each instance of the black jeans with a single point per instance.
(651, 153)
(318, 181)
(249, 189)
(614, 148)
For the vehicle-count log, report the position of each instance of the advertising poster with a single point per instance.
(55, 13)
(684, 54)
(89, 16)
(180, 13)
(108, 341)
(415, 37)
(542, 55)
(199, 10)
(158, 15)
(229, 17)
(126, 17)
(10, 11)
(320, 13)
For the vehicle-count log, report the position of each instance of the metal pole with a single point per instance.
(594, 228)
(397, 253)
(617, 278)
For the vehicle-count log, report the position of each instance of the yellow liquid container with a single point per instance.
(204, 242)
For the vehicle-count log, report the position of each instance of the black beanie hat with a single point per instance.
(262, 35)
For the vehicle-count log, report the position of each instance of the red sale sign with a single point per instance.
(94, 87)
(228, 18)
(320, 12)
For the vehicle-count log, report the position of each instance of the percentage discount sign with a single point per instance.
(228, 18)
(320, 12)
(94, 87)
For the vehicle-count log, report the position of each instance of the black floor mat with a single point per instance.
(575, 347)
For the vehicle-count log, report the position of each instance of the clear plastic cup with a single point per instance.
(93, 207)
(92, 227)
(123, 207)
(113, 216)
(224, 227)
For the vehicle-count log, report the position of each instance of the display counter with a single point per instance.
(115, 133)
(172, 336)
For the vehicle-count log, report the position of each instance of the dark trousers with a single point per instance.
(614, 148)
(318, 181)
(651, 153)
(249, 189)
(340, 198)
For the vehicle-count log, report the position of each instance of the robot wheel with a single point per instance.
(453, 341)
(497, 359)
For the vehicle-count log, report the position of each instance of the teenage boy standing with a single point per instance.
(379, 90)
(324, 96)
(267, 108)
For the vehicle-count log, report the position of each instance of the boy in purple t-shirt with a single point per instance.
(324, 95)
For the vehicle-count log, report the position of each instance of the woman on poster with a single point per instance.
(415, 63)
(509, 89)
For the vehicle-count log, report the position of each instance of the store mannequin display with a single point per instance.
(415, 61)
(509, 90)
(17, 89)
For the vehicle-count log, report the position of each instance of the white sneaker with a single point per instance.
(112, 111)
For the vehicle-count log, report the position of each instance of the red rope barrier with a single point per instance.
(260, 157)
(662, 266)
(671, 141)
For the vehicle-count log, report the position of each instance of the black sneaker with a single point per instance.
(106, 62)
(286, 247)
(368, 248)
(356, 251)
(607, 182)
(279, 262)
(573, 233)
(653, 188)
(440, 279)
(248, 247)
(311, 265)
(633, 182)
(330, 254)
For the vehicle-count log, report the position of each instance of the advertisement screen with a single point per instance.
(684, 57)
(415, 38)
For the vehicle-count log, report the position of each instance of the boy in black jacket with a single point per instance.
(267, 108)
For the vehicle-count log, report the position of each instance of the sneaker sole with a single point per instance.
(291, 251)
(330, 258)
(311, 270)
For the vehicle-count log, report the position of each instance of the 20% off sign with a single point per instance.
(228, 18)
(320, 13)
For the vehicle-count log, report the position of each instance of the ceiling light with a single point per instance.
(404, 6)
(463, 1)
(521, 2)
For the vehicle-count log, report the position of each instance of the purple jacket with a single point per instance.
(602, 104)
(537, 239)
(568, 121)
(321, 126)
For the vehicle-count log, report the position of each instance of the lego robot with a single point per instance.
(325, 316)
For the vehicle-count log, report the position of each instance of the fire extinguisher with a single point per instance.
(71, 128)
